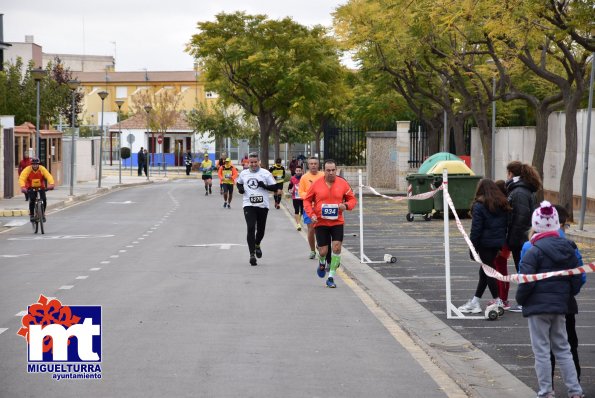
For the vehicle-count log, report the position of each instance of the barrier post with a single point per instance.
(361, 217)
(446, 241)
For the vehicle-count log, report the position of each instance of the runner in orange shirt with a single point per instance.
(306, 181)
(325, 203)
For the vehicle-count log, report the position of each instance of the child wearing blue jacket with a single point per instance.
(546, 302)
(573, 306)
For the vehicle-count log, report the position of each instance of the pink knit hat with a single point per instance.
(545, 218)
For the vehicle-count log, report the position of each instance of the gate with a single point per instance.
(418, 144)
(346, 143)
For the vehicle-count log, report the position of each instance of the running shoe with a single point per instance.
(258, 251)
(321, 270)
(506, 305)
(470, 307)
(277, 206)
(496, 301)
(252, 260)
(298, 227)
(312, 255)
(229, 206)
(207, 193)
(516, 308)
(224, 204)
(330, 282)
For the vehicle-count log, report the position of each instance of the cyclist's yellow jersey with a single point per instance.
(30, 178)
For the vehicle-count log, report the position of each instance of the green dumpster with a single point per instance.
(461, 188)
(420, 183)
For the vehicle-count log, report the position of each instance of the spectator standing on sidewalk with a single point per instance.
(501, 261)
(489, 213)
(26, 161)
(546, 302)
(141, 160)
(521, 184)
(188, 161)
(572, 305)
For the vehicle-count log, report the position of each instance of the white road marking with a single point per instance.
(114, 256)
(222, 246)
(149, 232)
(54, 237)
(141, 238)
(94, 269)
(135, 242)
(2, 330)
(16, 223)
(66, 287)
(13, 255)
(225, 247)
(22, 313)
(105, 262)
(130, 246)
(128, 202)
(122, 251)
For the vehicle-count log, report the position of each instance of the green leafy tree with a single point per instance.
(265, 66)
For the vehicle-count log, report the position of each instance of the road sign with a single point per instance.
(130, 139)
(160, 139)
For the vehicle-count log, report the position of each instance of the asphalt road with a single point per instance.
(185, 315)
(419, 247)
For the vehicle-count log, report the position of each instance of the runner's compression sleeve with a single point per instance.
(267, 187)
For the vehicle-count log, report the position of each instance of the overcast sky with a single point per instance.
(147, 34)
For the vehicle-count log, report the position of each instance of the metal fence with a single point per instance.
(346, 143)
(418, 144)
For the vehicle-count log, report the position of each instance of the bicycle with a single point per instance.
(38, 213)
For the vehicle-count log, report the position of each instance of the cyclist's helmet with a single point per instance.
(35, 161)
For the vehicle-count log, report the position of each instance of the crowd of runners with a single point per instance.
(319, 199)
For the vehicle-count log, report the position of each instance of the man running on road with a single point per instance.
(254, 183)
(325, 203)
(305, 182)
(206, 166)
(278, 172)
(227, 175)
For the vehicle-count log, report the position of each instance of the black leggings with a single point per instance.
(516, 256)
(487, 256)
(256, 219)
(33, 196)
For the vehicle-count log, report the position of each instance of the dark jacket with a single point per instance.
(551, 295)
(520, 197)
(488, 230)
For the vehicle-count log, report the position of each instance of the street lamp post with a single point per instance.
(38, 74)
(148, 109)
(492, 65)
(119, 103)
(587, 143)
(73, 85)
(103, 95)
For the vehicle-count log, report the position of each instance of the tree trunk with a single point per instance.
(317, 135)
(458, 124)
(485, 133)
(541, 137)
(266, 123)
(571, 100)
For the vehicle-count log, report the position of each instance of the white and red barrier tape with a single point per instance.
(421, 196)
(491, 272)
(517, 278)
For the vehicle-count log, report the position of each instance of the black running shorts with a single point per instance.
(325, 234)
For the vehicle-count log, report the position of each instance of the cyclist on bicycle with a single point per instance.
(35, 177)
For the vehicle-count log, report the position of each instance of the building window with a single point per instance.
(121, 92)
